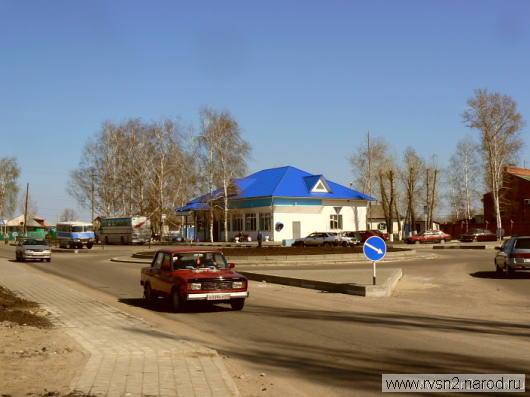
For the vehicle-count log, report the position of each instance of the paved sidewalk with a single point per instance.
(127, 356)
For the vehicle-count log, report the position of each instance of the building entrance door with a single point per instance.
(296, 229)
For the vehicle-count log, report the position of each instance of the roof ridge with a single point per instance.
(281, 179)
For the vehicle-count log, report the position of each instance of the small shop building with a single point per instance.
(36, 227)
(283, 203)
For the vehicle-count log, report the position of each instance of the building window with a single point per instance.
(265, 222)
(335, 222)
(237, 223)
(250, 222)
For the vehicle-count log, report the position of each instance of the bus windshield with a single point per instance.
(77, 229)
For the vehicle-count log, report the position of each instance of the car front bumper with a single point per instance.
(217, 296)
(36, 255)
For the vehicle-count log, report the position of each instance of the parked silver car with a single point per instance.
(513, 254)
(30, 248)
(317, 239)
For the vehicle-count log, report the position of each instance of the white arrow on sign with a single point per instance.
(378, 250)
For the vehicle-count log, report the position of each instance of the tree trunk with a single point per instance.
(225, 187)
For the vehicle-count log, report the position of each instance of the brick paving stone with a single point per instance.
(128, 357)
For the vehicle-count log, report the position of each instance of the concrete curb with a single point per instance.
(296, 258)
(463, 247)
(128, 259)
(384, 290)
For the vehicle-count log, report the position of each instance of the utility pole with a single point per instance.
(369, 212)
(92, 175)
(26, 210)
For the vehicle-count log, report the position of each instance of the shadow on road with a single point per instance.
(495, 275)
(350, 369)
(162, 306)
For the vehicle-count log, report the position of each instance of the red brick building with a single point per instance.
(514, 203)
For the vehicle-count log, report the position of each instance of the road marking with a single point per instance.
(378, 250)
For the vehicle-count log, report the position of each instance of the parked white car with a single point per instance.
(317, 239)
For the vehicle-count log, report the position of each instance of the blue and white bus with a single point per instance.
(75, 234)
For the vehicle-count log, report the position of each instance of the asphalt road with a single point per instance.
(450, 313)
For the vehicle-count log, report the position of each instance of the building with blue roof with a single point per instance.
(283, 203)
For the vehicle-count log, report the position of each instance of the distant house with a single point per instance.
(514, 202)
(377, 220)
(283, 203)
(36, 226)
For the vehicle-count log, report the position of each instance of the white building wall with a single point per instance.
(312, 218)
(317, 218)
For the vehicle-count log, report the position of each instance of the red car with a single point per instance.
(429, 236)
(365, 234)
(185, 275)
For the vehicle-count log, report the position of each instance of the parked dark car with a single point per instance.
(478, 235)
(513, 254)
(366, 234)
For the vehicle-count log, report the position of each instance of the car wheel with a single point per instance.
(237, 304)
(176, 301)
(148, 294)
(89, 245)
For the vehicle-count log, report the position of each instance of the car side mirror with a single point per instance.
(231, 265)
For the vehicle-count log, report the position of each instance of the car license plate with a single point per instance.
(217, 297)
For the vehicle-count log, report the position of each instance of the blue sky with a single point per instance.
(305, 79)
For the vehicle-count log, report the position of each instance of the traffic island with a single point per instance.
(345, 281)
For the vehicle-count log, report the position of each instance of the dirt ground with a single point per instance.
(36, 359)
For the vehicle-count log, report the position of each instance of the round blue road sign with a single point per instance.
(374, 248)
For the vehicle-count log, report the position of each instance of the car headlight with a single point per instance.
(238, 284)
(194, 286)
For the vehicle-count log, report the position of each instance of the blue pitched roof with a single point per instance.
(285, 182)
(292, 182)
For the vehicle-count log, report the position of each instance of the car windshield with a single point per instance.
(34, 242)
(199, 259)
(522, 243)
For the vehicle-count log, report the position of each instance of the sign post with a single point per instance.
(374, 249)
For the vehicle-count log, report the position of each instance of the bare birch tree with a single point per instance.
(432, 179)
(9, 174)
(68, 215)
(411, 175)
(387, 176)
(225, 156)
(462, 180)
(366, 162)
(136, 168)
(496, 117)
